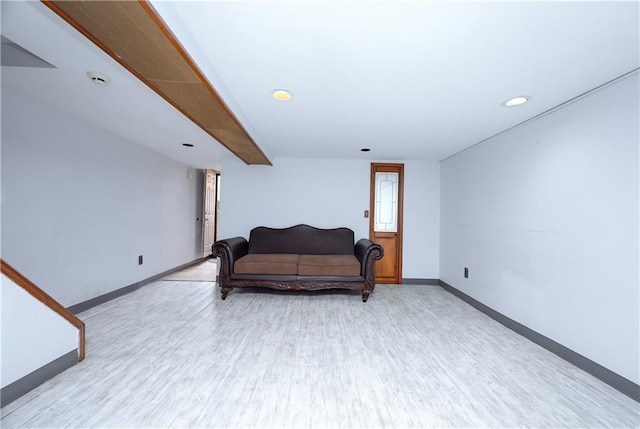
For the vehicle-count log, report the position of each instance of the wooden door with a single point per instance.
(209, 215)
(385, 223)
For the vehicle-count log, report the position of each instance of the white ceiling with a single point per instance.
(410, 80)
(127, 107)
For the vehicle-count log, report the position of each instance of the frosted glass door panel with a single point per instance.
(386, 200)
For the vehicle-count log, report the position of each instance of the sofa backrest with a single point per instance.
(302, 240)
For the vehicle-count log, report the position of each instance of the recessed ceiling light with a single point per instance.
(516, 101)
(98, 78)
(365, 149)
(187, 145)
(281, 94)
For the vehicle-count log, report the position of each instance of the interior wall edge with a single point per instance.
(600, 372)
(30, 381)
(109, 296)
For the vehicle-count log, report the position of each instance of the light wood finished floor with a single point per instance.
(173, 354)
(201, 272)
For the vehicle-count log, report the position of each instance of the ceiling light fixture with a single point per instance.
(98, 78)
(516, 101)
(281, 94)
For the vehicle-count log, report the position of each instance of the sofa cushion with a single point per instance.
(257, 263)
(328, 265)
(301, 239)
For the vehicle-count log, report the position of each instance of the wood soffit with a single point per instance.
(134, 35)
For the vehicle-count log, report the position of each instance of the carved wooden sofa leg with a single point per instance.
(225, 291)
(365, 295)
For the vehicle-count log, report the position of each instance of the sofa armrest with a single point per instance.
(229, 251)
(368, 253)
(365, 248)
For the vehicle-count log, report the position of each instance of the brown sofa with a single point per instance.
(301, 257)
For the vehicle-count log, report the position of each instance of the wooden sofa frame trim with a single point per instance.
(365, 283)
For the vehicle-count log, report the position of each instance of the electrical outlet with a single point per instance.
(466, 272)
(140, 260)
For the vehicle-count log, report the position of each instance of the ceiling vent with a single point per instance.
(98, 78)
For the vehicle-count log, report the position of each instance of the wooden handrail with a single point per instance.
(47, 300)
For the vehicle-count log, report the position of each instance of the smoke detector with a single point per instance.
(98, 78)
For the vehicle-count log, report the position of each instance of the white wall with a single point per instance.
(32, 334)
(329, 194)
(79, 204)
(546, 218)
(421, 249)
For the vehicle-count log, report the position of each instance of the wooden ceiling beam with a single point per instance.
(134, 35)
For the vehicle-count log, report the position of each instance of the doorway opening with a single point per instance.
(385, 223)
(211, 208)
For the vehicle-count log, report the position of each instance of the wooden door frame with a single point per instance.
(204, 208)
(217, 198)
(399, 168)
